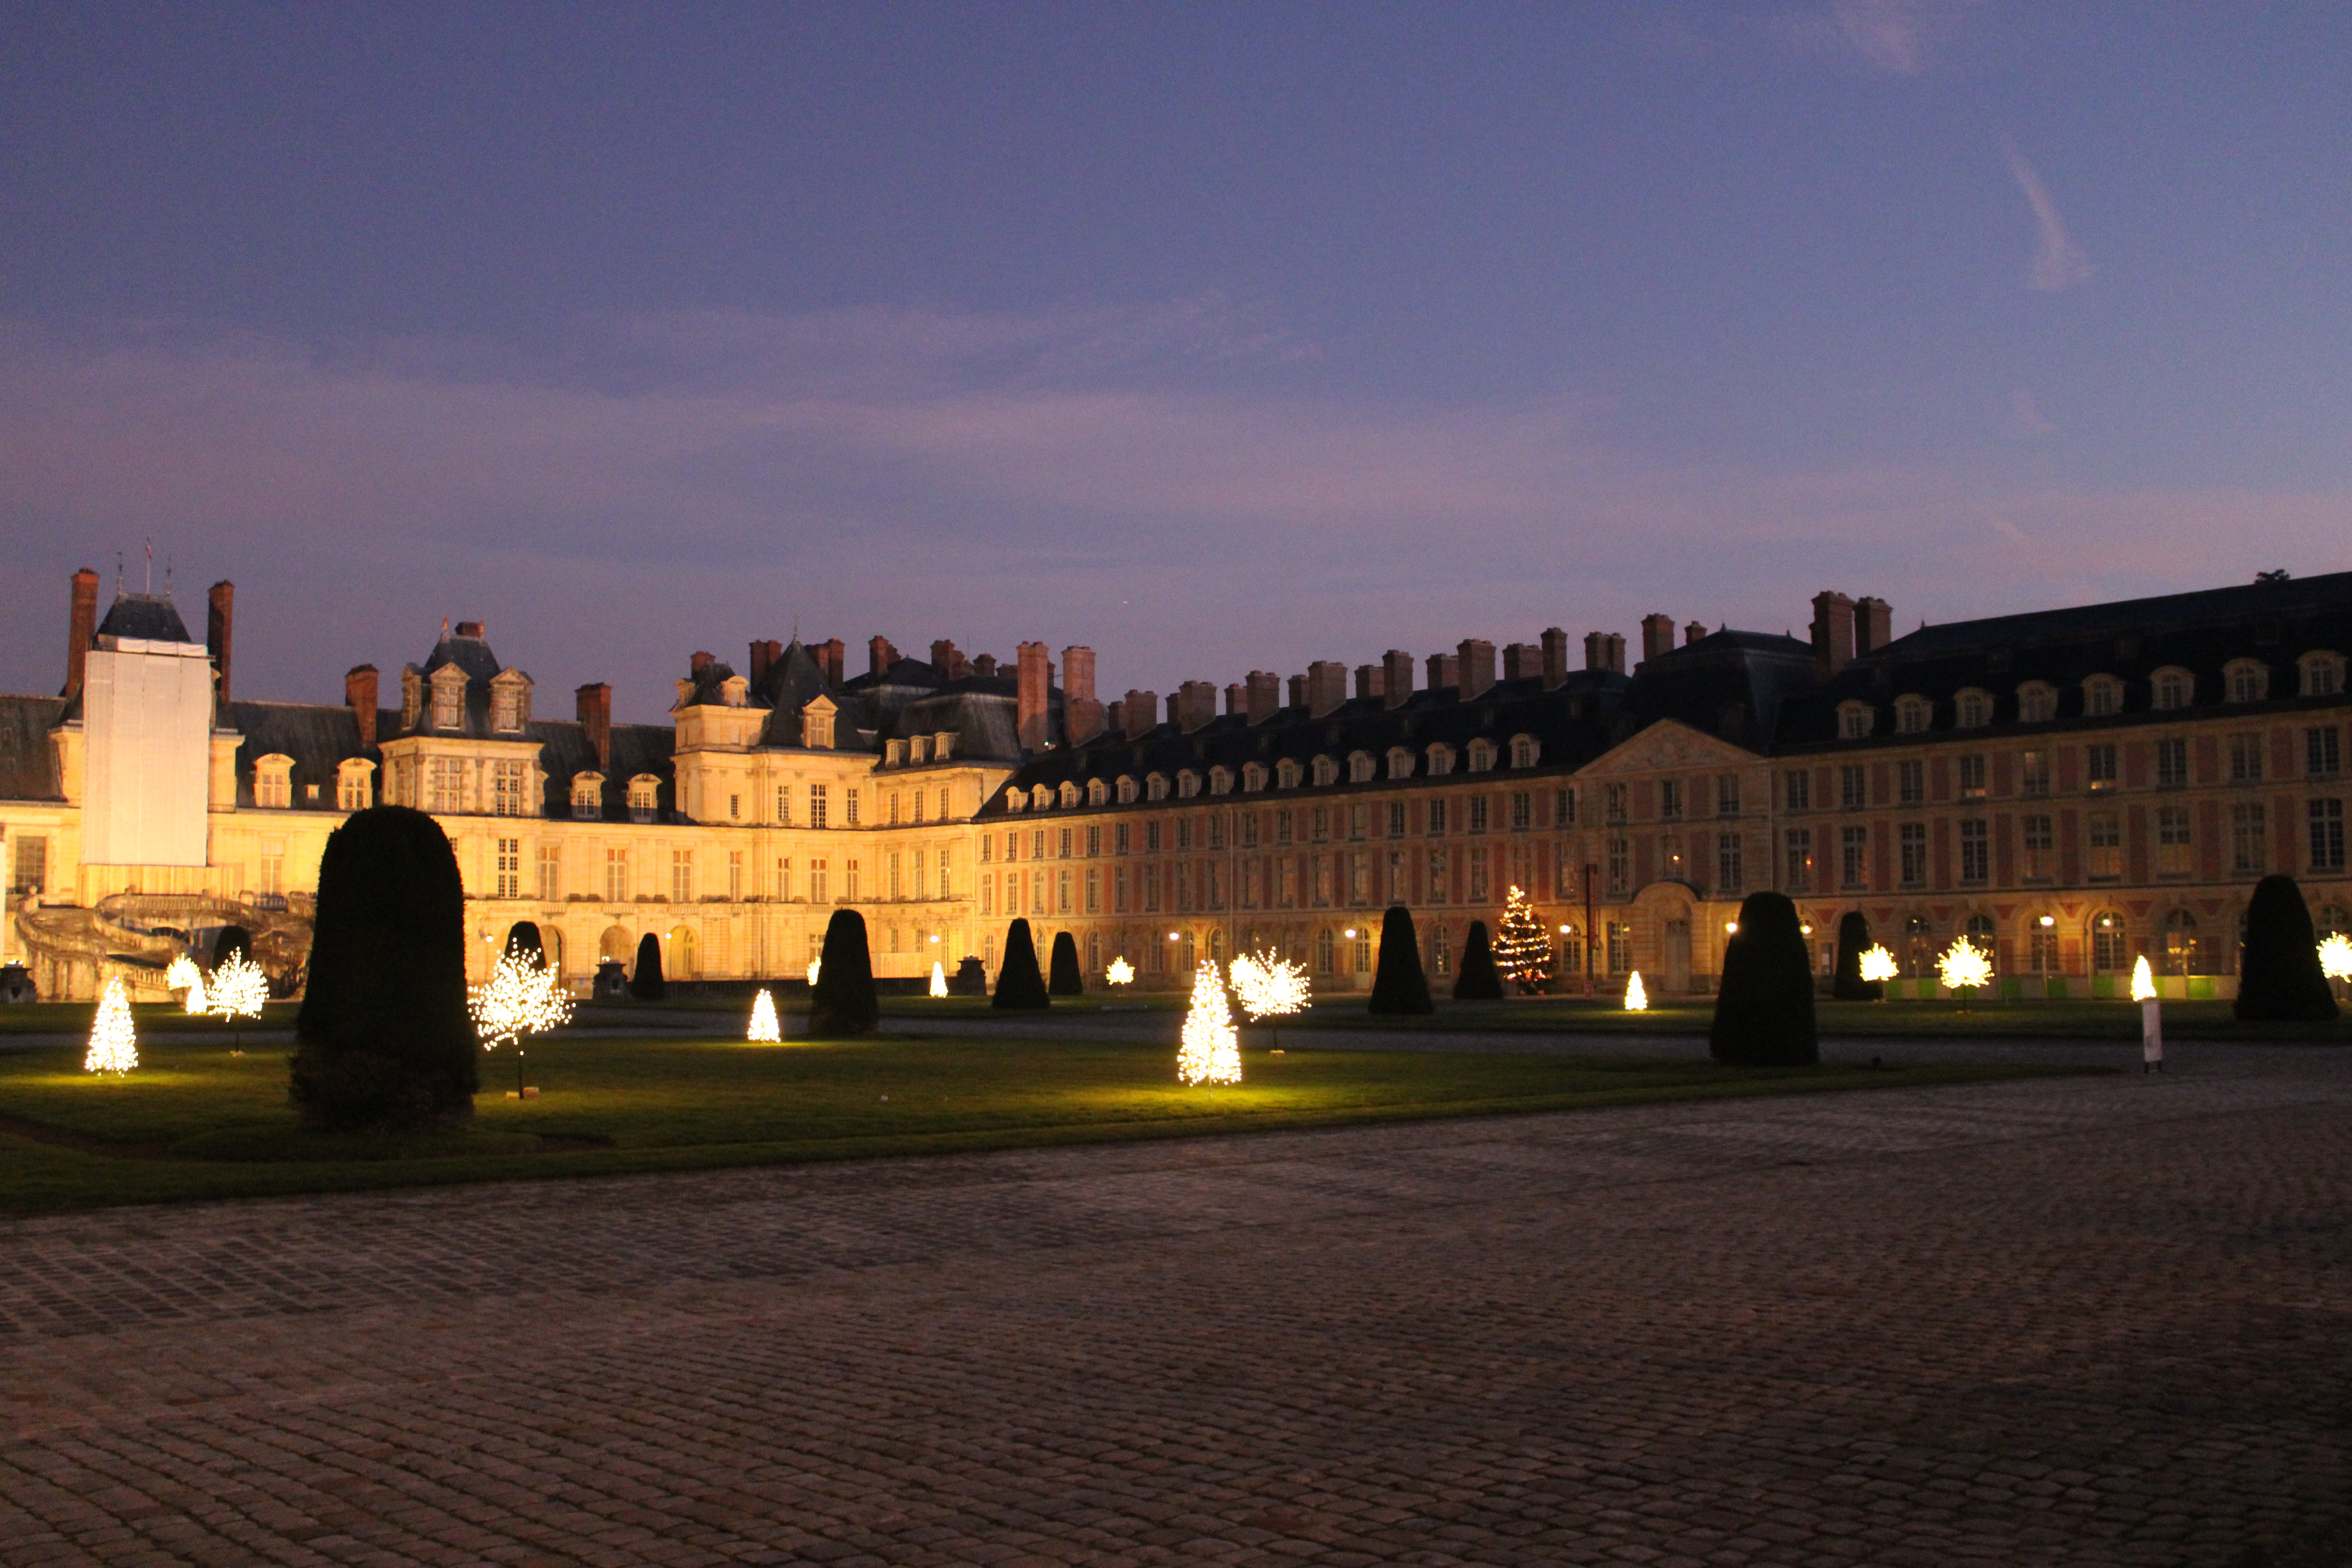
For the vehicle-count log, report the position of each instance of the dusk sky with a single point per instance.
(1217, 337)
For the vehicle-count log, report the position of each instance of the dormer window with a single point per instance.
(2103, 696)
(1913, 714)
(1972, 709)
(1440, 761)
(816, 724)
(1254, 777)
(273, 781)
(1016, 800)
(354, 781)
(2170, 689)
(1525, 749)
(1097, 791)
(894, 753)
(1127, 790)
(2037, 702)
(2323, 674)
(2246, 680)
(1361, 767)
(1221, 781)
(1399, 762)
(1854, 720)
(448, 698)
(918, 750)
(1041, 797)
(1326, 770)
(1482, 756)
(943, 745)
(734, 691)
(587, 796)
(1188, 784)
(1155, 786)
(1287, 773)
(644, 797)
(1069, 793)
(510, 703)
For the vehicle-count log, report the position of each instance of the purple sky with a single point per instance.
(1216, 337)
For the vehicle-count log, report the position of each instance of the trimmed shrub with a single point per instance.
(1399, 985)
(232, 942)
(523, 937)
(971, 978)
(844, 1003)
(1066, 981)
(1764, 1008)
(383, 1041)
(1854, 939)
(2279, 977)
(1479, 981)
(1018, 983)
(645, 981)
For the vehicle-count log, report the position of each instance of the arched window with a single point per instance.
(645, 795)
(1919, 947)
(1069, 793)
(2323, 673)
(1972, 709)
(1524, 751)
(2246, 680)
(1361, 767)
(2037, 702)
(1912, 714)
(1287, 773)
(1041, 797)
(273, 781)
(1016, 799)
(2109, 943)
(2102, 696)
(2041, 946)
(1127, 789)
(1253, 777)
(1854, 720)
(1983, 936)
(1482, 755)
(1097, 791)
(2183, 953)
(2171, 688)
(1155, 786)
(1326, 953)
(1440, 760)
(2329, 919)
(1188, 784)
(1221, 781)
(1399, 762)
(354, 784)
(1326, 770)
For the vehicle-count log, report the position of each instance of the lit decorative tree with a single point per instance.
(520, 999)
(1120, 973)
(1212, 1050)
(1964, 967)
(939, 978)
(182, 975)
(113, 1042)
(1269, 986)
(1522, 946)
(197, 1003)
(763, 1029)
(237, 992)
(1878, 965)
(1636, 999)
(816, 964)
(2143, 981)
(2335, 956)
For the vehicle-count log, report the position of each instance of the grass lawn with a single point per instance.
(194, 1122)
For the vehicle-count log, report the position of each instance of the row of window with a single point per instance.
(2242, 763)
(2169, 690)
(1361, 767)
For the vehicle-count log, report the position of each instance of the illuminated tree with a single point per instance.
(1478, 981)
(1400, 985)
(1522, 946)
(763, 1029)
(843, 1004)
(939, 978)
(1764, 1006)
(236, 991)
(182, 975)
(2335, 956)
(1877, 966)
(1269, 986)
(520, 999)
(2143, 981)
(1212, 1049)
(1964, 967)
(2278, 975)
(113, 1041)
(1637, 999)
(1120, 973)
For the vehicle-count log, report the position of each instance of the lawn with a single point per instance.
(2039, 1019)
(196, 1122)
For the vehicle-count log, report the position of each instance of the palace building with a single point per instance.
(2071, 789)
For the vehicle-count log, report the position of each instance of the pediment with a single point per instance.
(1668, 743)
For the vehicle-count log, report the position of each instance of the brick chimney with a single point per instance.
(1555, 658)
(1367, 680)
(1033, 709)
(594, 706)
(1196, 704)
(220, 624)
(1327, 686)
(81, 629)
(359, 692)
(1833, 633)
(470, 629)
(880, 654)
(1297, 684)
(1657, 636)
(1118, 718)
(1237, 700)
(1396, 678)
(1082, 715)
(763, 659)
(1873, 624)
(1140, 712)
(1692, 632)
(985, 666)
(1475, 659)
(948, 660)
(1521, 661)
(1265, 695)
(1445, 672)
(828, 659)
(699, 660)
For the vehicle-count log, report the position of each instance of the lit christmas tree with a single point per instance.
(1120, 973)
(1964, 967)
(198, 1002)
(113, 1042)
(1522, 948)
(238, 989)
(184, 974)
(1877, 963)
(520, 999)
(1212, 1050)
(1637, 1000)
(764, 1030)
(1269, 986)
(939, 978)
(2143, 981)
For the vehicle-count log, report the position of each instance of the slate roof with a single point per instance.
(317, 737)
(638, 749)
(151, 617)
(28, 767)
(912, 697)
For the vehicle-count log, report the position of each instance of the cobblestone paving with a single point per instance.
(2082, 1322)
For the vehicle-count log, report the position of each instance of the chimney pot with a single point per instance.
(880, 656)
(1872, 625)
(1657, 636)
(1327, 686)
(1141, 712)
(1555, 658)
(1195, 704)
(1396, 678)
(360, 692)
(1522, 661)
(220, 626)
(1297, 692)
(1445, 672)
(1833, 633)
(1692, 632)
(1265, 695)
(1033, 700)
(1082, 714)
(469, 628)
(985, 666)
(828, 656)
(81, 629)
(1475, 660)
(1367, 680)
(1237, 700)
(699, 660)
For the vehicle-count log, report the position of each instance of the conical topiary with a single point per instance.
(2279, 977)
(1764, 1008)
(231, 942)
(1853, 941)
(1067, 980)
(383, 1039)
(1479, 980)
(1018, 983)
(1399, 985)
(843, 1004)
(645, 981)
(523, 937)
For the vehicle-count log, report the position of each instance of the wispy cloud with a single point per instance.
(1892, 35)
(2059, 263)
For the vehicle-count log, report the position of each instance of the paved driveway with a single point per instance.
(2104, 1320)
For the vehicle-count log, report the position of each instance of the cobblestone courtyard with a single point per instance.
(2087, 1320)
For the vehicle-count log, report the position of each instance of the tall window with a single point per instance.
(550, 873)
(819, 891)
(1911, 781)
(616, 876)
(2109, 947)
(2327, 835)
(2040, 845)
(1620, 947)
(1563, 807)
(1912, 837)
(1730, 870)
(1727, 794)
(1479, 803)
(448, 703)
(817, 804)
(1437, 876)
(509, 784)
(1975, 852)
(2323, 757)
(849, 809)
(509, 868)
(2245, 758)
(273, 783)
(1854, 856)
(783, 878)
(735, 875)
(644, 798)
(2172, 763)
(2183, 953)
(2174, 841)
(1670, 799)
(445, 785)
(1853, 792)
(1620, 865)
(1797, 789)
(2106, 845)
(2034, 772)
(2248, 838)
(352, 789)
(1523, 812)
(1800, 860)
(1973, 777)
(2099, 764)
(784, 806)
(681, 876)
(505, 708)
(29, 873)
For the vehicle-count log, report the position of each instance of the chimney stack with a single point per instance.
(699, 660)
(220, 622)
(1555, 658)
(1833, 633)
(1657, 636)
(1034, 715)
(880, 654)
(1396, 678)
(1872, 625)
(464, 628)
(1445, 671)
(1265, 695)
(1082, 716)
(1140, 712)
(1237, 700)
(828, 659)
(1475, 658)
(1196, 704)
(763, 659)
(1327, 686)
(1297, 692)
(1692, 632)
(1118, 718)
(985, 666)
(81, 629)
(358, 691)
(948, 660)
(1367, 680)
(1521, 661)
(596, 710)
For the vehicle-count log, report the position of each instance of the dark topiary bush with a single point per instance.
(523, 937)
(844, 1003)
(1067, 980)
(1018, 983)
(1764, 1009)
(971, 978)
(645, 981)
(1854, 939)
(1399, 985)
(384, 1040)
(1479, 981)
(232, 942)
(2278, 973)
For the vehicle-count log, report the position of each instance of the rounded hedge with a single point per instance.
(1067, 980)
(1019, 986)
(1853, 941)
(2279, 977)
(1400, 987)
(1479, 980)
(844, 1003)
(645, 981)
(1764, 1007)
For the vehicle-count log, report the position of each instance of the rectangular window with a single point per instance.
(1094, 890)
(1797, 789)
(1436, 818)
(29, 873)
(817, 805)
(1523, 812)
(1066, 843)
(1852, 794)
(2172, 763)
(1118, 892)
(1670, 800)
(2248, 838)
(820, 891)
(616, 876)
(1123, 838)
(2245, 758)
(1727, 794)
(1912, 840)
(509, 869)
(1975, 852)
(2099, 765)
(681, 876)
(1614, 803)
(734, 807)
(1973, 777)
(508, 782)
(2106, 844)
(1094, 843)
(1477, 814)
(1620, 947)
(1037, 844)
(1563, 807)
(2322, 755)
(273, 870)
(892, 874)
(783, 878)
(2034, 772)
(1911, 781)
(1437, 877)
(2041, 847)
(849, 813)
(1854, 856)
(1620, 865)
(550, 873)
(946, 871)
(784, 806)
(1800, 860)
(2173, 841)
(1396, 819)
(445, 785)
(849, 875)
(1730, 871)
(1478, 873)
(2327, 835)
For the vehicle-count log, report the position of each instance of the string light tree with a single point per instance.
(1522, 946)
(520, 999)
(185, 976)
(236, 991)
(113, 1041)
(1270, 987)
(764, 1030)
(1877, 967)
(1120, 973)
(939, 978)
(1211, 1049)
(2151, 1016)
(2335, 956)
(1964, 967)
(1637, 998)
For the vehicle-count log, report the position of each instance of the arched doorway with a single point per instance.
(2110, 944)
(680, 960)
(615, 946)
(2184, 952)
